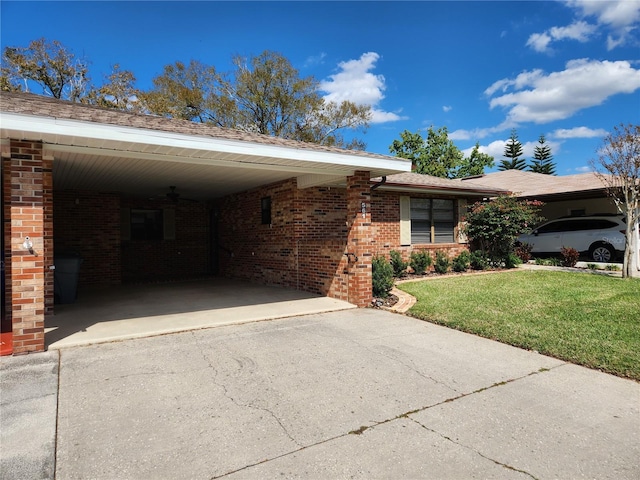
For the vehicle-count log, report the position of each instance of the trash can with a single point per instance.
(65, 277)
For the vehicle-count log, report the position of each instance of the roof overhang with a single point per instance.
(440, 190)
(108, 157)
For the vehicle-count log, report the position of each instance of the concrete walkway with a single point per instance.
(352, 394)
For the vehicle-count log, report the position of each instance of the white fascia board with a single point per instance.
(116, 133)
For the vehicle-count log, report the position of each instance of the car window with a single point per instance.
(551, 227)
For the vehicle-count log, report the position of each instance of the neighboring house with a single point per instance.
(82, 180)
(581, 194)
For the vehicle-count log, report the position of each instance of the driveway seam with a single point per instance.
(55, 438)
(509, 467)
(405, 415)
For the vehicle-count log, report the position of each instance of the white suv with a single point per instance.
(601, 237)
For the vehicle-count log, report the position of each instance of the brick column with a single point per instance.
(359, 239)
(29, 215)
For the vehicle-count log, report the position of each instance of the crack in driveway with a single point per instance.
(238, 403)
(406, 415)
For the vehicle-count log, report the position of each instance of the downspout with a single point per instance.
(380, 183)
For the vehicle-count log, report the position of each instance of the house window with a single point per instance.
(432, 220)
(146, 225)
(265, 205)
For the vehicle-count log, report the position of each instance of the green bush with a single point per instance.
(570, 256)
(462, 261)
(382, 276)
(420, 261)
(494, 226)
(398, 264)
(442, 263)
(512, 260)
(478, 260)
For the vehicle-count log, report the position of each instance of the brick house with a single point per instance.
(99, 183)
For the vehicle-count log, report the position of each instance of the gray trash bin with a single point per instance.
(65, 277)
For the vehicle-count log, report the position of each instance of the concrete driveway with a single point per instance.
(351, 394)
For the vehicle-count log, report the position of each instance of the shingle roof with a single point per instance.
(38, 105)
(417, 180)
(530, 184)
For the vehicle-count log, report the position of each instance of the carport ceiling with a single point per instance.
(145, 177)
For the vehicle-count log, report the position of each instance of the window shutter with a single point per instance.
(125, 224)
(169, 223)
(462, 212)
(405, 220)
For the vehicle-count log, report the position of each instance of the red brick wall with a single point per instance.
(386, 220)
(304, 247)
(27, 182)
(186, 256)
(88, 223)
(252, 251)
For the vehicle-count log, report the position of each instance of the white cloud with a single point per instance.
(355, 82)
(578, 132)
(580, 31)
(620, 17)
(583, 169)
(315, 60)
(447, 108)
(584, 83)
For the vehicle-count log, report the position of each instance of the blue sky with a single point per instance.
(567, 69)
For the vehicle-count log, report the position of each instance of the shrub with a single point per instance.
(461, 262)
(592, 266)
(523, 251)
(382, 276)
(494, 226)
(512, 260)
(398, 264)
(612, 268)
(442, 263)
(478, 260)
(420, 261)
(569, 256)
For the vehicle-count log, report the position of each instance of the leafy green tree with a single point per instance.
(493, 227)
(50, 65)
(475, 163)
(513, 152)
(542, 159)
(262, 94)
(187, 91)
(436, 155)
(118, 92)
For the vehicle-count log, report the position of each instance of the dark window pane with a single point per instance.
(146, 224)
(265, 205)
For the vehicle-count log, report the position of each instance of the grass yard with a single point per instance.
(590, 320)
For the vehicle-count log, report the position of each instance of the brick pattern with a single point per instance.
(88, 224)
(28, 215)
(186, 256)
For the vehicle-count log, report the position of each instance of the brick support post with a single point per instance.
(359, 239)
(29, 213)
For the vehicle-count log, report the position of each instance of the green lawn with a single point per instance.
(587, 319)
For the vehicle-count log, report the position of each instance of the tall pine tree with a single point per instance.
(513, 152)
(542, 159)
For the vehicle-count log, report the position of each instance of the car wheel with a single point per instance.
(602, 252)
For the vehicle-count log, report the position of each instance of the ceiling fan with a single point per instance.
(173, 196)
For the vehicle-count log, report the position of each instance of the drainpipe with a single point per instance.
(380, 183)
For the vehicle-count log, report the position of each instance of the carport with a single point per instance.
(251, 207)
